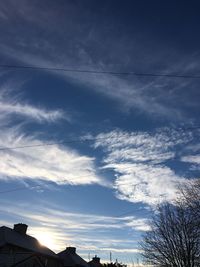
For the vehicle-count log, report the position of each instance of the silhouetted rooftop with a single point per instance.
(71, 258)
(13, 237)
(95, 262)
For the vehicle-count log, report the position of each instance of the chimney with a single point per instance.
(20, 228)
(71, 250)
(96, 259)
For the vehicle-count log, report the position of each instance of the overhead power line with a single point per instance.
(81, 140)
(88, 71)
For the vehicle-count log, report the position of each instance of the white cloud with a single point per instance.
(193, 148)
(53, 163)
(139, 161)
(147, 183)
(31, 112)
(192, 159)
(121, 250)
(11, 104)
(139, 224)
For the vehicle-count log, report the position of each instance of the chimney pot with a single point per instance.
(20, 228)
(72, 250)
(96, 259)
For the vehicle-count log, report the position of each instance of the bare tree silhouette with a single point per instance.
(174, 239)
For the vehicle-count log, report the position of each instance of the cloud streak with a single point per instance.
(30, 112)
(156, 97)
(95, 232)
(192, 159)
(12, 105)
(60, 165)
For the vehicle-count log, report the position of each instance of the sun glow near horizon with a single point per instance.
(47, 238)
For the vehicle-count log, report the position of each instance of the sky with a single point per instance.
(86, 157)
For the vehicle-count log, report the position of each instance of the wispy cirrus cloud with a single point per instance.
(191, 159)
(11, 104)
(140, 162)
(158, 97)
(148, 97)
(60, 165)
(31, 112)
(95, 232)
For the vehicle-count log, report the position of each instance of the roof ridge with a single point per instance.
(12, 237)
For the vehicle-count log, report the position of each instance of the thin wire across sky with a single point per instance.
(107, 72)
(82, 140)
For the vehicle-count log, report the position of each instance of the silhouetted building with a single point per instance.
(95, 262)
(17, 249)
(70, 258)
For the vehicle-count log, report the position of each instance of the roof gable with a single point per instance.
(10, 236)
(72, 259)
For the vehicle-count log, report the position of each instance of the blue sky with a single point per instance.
(96, 195)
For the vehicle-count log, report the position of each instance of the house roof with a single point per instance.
(95, 262)
(71, 258)
(12, 237)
